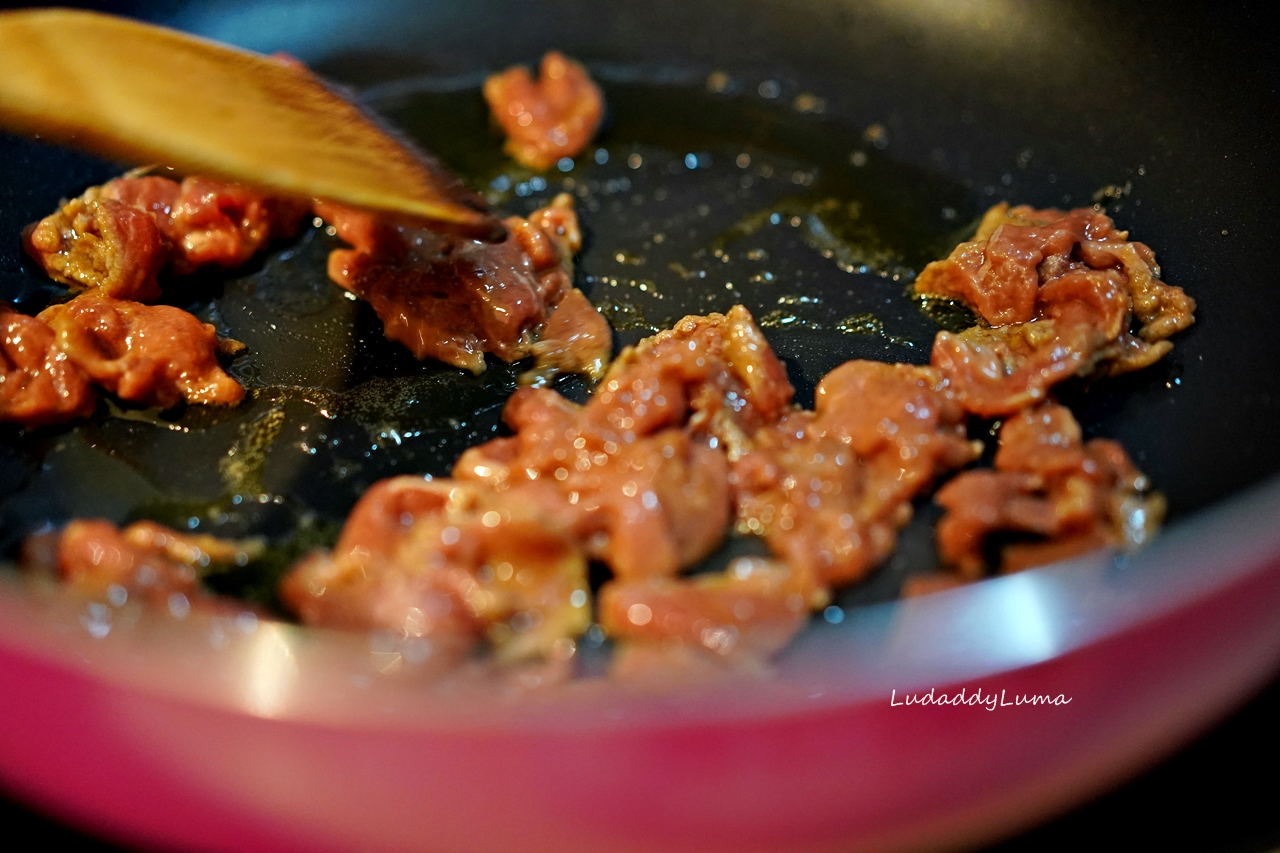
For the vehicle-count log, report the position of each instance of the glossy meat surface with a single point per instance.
(544, 120)
(744, 614)
(455, 299)
(119, 238)
(39, 385)
(155, 355)
(1061, 496)
(829, 489)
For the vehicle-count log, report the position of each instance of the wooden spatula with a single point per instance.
(146, 94)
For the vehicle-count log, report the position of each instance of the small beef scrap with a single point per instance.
(39, 385)
(118, 238)
(574, 339)
(544, 121)
(1060, 292)
(144, 559)
(1061, 497)
(454, 299)
(829, 489)
(450, 562)
(156, 355)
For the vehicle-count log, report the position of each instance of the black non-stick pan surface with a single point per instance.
(803, 158)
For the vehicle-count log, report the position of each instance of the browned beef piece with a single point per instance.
(1061, 293)
(39, 385)
(144, 560)
(455, 299)
(453, 562)
(829, 489)
(120, 237)
(1066, 495)
(156, 355)
(545, 120)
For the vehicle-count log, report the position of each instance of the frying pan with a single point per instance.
(243, 733)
